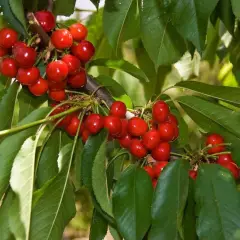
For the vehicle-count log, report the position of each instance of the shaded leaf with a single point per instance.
(236, 7)
(96, 3)
(61, 8)
(77, 164)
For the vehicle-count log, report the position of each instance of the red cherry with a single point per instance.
(8, 67)
(65, 122)
(85, 135)
(118, 109)
(8, 37)
(58, 96)
(77, 81)
(193, 174)
(61, 39)
(159, 167)
(153, 124)
(124, 128)
(28, 76)
(137, 127)
(232, 167)
(137, 149)
(3, 52)
(154, 182)
(46, 19)
(79, 32)
(150, 171)
(113, 124)
(57, 71)
(160, 111)
(73, 63)
(167, 131)
(172, 119)
(83, 50)
(94, 123)
(18, 45)
(151, 139)
(125, 141)
(162, 152)
(224, 158)
(55, 86)
(72, 127)
(24, 56)
(215, 139)
(39, 88)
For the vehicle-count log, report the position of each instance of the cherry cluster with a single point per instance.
(67, 55)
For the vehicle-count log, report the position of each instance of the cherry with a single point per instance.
(160, 111)
(3, 51)
(150, 171)
(137, 127)
(57, 71)
(167, 131)
(193, 174)
(151, 139)
(66, 120)
(61, 39)
(154, 183)
(159, 167)
(79, 32)
(118, 109)
(73, 63)
(77, 81)
(232, 167)
(28, 76)
(18, 45)
(58, 96)
(125, 141)
(72, 127)
(46, 19)
(172, 119)
(224, 158)
(124, 128)
(215, 139)
(83, 50)
(161, 152)
(137, 149)
(8, 37)
(55, 86)
(24, 56)
(39, 88)
(94, 123)
(85, 135)
(113, 124)
(8, 67)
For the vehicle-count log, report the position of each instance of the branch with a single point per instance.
(50, 5)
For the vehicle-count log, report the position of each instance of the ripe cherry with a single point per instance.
(137, 149)
(94, 123)
(78, 80)
(125, 141)
(66, 120)
(39, 88)
(3, 51)
(8, 37)
(159, 167)
(55, 86)
(113, 124)
(18, 45)
(58, 96)
(150, 171)
(72, 127)
(79, 32)
(57, 71)
(61, 39)
(151, 139)
(161, 152)
(154, 182)
(28, 76)
(137, 127)
(85, 135)
(232, 167)
(118, 109)
(124, 131)
(215, 139)
(73, 63)
(160, 111)
(83, 50)
(167, 131)
(8, 67)
(24, 56)
(224, 158)
(172, 119)
(193, 174)
(46, 19)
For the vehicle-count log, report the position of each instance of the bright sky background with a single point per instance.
(86, 4)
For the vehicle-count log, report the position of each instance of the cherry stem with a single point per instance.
(179, 155)
(117, 156)
(215, 145)
(217, 154)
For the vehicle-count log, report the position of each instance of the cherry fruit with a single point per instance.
(125, 141)
(58, 96)
(193, 174)
(79, 32)
(151, 139)
(57, 71)
(118, 109)
(213, 140)
(72, 127)
(73, 63)
(8, 67)
(28, 76)
(46, 19)
(83, 50)
(137, 127)
(8, 37)
(39, 88)
(94, 123)
(159, 167)
(162, 152)
(150, 171)
(62, 39)
(232, 167)
(78, 80)
(113, 124)
(160, 111)
(167, 131)
(3, 52)
(24, 56)
(224, 158)
(137, 149)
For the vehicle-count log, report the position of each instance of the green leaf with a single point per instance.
(121, 65)
(162, 42)
(218, 210)
(7, 105)
(61, 8)
(32, 5)
(77, 164)
(96, 3)
(236, 7)
(120, 21)
(10, 146)
(169, 201)
(132, 199)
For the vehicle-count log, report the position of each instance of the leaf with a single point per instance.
(236, 7)
(115, 234)
(61, 8)
(96, 3)
(162, 42)
(121, 65)
(218, 210)
(32, 5)
(169, 201)
(7, 105)
(132, 198)
(77, 164)
(10, 146)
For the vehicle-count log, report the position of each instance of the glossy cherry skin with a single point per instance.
(62, 39)
(83, 51)
(124, 131)
(137, 127)
(160, 111)
(18, 45)
(46, 19)
(172, 119)
(24, 56)
(193, 174)
(232, 167)
(8, 37)
(125, 141)
(8, 67)
(94, 123)
(215, 139)
(3, 52)
(118, 109)
(85, 135)
(58, 96)
(66, 120)
(167, 131)
(79, 32)
(224, 158)
(55, 86)
(28, 76)
(150, 171)
(113, 124)
(72, 127)
(162, 152)
(151, 139)
(78, 80)
(39, 88)
(137, 149)
(57, 71)
(73, 63)
(159, 167)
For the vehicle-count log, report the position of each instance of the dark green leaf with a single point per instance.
(218, 210)
(236, 7)
(61, 8)
(32, 5)
(169, 201)
(77, 164)
(96, 3)
(115, 234)
(132, 199)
